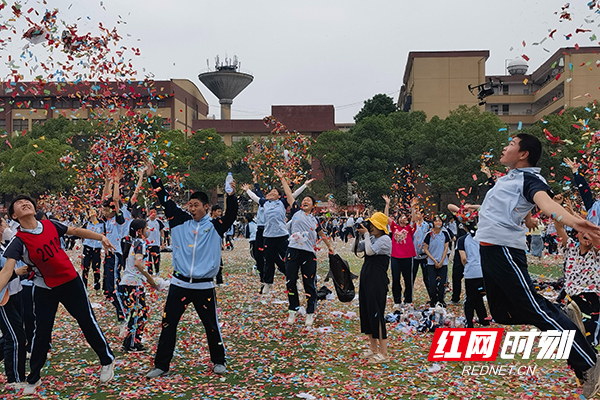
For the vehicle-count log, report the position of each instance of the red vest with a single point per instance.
(47, 255)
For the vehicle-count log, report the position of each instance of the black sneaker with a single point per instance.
(139, 348)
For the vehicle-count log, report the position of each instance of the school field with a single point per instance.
(268, 359)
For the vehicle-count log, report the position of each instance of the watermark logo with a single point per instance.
(483, 344)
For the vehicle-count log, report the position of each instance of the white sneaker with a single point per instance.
(155, 373)
(310, 319)
(291, 318)
(267, 288)
(107, 372)
(16, 385)
(397, 306)
(219, 369)
(31, 387)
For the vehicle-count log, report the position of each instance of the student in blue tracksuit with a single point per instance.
(196, 258)
(512, 298)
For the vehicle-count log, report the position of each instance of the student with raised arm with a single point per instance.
(511, 295)
(37, 243)
(275, 234)
(196, 258)
(113, 220)
(592, 206)
(582, 281)
(301, 254)
(403, 252)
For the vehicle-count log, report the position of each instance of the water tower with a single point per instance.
(518, 66)
(226, 83)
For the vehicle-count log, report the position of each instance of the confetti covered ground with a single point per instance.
(268, 359)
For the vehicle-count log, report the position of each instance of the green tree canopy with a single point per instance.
(380, 104)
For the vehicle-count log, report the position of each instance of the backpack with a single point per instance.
(342, 278)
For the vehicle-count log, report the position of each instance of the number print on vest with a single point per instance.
(48, 250)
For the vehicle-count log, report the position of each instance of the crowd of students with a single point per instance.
(489, 242)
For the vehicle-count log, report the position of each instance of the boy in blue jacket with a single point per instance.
(196, 260)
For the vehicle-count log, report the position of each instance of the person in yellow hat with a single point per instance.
(372, 292)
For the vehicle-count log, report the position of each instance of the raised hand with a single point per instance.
(279, 173)
(149, 168)
(245, 187)
(571, 164)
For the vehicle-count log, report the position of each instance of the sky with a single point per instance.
(310, 52)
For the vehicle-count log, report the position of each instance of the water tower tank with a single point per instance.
(226, 83)
(518, 66)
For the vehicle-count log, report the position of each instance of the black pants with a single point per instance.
(70, 242)
(205, 303)
(228, 242)
(259, 251)
(513, 300)
(458, 271)
(274, 255)
(219, 277)
(305, 262)
(474, 291)
(347, 232)
(252, 249)
(402, 267)
(136, 313)
(111, 282)
(91, 257)
(28, 317)
(74, 298)
(589, 304)
(125, 247)
(154, 253)
(438, 279)
(11, 324)
(425, 271)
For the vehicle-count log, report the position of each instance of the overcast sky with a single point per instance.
(338, 52)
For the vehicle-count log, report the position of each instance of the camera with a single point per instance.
(366, 224)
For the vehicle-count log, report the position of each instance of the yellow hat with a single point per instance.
(379, 221)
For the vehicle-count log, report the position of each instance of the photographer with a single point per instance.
(372, 293)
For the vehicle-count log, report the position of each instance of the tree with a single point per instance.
(449, 150)
(34, 167)
(573, 131)
(208, 165)
(380, 104)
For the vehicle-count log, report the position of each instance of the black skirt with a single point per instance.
(372, 295)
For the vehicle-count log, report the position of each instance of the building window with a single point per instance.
(2, 125)
(239, 138)
(495, 108)
(37, 104)
(504, 89)
(76, 104)
(22, 104)
(505, 108)
(20, 125)
(62, 103)
(161, 103)
(166, 124)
